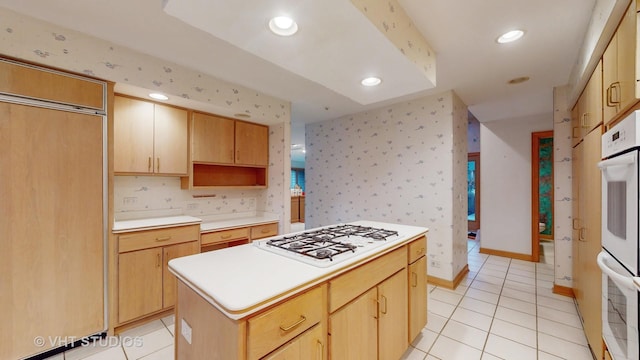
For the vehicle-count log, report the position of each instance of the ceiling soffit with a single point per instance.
(336, 45)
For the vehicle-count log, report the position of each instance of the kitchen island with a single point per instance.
(246, 302)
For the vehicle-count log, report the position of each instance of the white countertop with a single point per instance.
(153, 223)
(213, 224)
(244, 279)
(207, 222)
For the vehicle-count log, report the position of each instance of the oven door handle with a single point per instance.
(617, 161)
(624, 281)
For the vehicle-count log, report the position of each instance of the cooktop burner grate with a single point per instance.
(329, 242)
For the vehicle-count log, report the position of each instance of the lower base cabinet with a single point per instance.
(145, 285)
(373, 326)
(363, 313)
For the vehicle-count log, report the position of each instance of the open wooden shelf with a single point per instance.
(210, 176)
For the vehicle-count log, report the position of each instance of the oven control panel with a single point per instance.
(623, 136)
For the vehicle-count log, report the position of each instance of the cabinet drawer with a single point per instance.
(355, 282)
(224, 236)
(269, 330)
(417, 249)
(262, 231)
(159, 237)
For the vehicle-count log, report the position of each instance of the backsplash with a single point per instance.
(149, 196)
(395, 164)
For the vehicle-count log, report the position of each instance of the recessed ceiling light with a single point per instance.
(283, 26)
(518, 80)
(371, 81)
(158, 96)
(510, 36)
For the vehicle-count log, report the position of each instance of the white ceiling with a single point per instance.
(462, 33)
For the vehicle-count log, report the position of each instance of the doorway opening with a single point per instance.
(542, 196)
(473, 193)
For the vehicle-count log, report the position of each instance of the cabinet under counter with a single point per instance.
(227, 298)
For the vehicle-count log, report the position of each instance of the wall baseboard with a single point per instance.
(449, 284)
(513, 255)
(563, 290)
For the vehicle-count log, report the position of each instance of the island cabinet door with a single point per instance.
(353, 329)
(308, 346)
(417, 297)
(392, 322)
(169, 280)
(139, 283)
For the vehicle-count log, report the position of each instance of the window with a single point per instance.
(297, 178)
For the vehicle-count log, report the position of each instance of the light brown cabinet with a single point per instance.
(310, 345)
(221, 239)
(359, 314)
(587, 235)
(588, 110)
(149, 138)
(297, 209)
(252, 144)
(145, 285)
(53, 210)
(417, 287)
(619, 67)
(227, 153)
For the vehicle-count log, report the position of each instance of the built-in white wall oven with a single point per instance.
(618, 259)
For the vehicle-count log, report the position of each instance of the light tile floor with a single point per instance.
(503, 309)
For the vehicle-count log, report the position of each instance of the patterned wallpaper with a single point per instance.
(473, 135)
(40, 42)
(405, 164)
(563, 188)
(392, 21)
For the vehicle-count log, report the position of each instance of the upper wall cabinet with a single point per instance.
(226, 141)
(620, 89)
(587, 113)
(227, 153)
(149, 138)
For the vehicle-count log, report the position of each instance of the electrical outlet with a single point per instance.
(192, 206)
(185, 330)
(130, 200)
(435, 264)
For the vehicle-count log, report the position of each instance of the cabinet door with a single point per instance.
(252, 144)
(133, 136)
(51, 228)
(417, 297)
(309, 345)
(576, 162)
(353, 329)
(590, 246)
(212, 139)
(609, 77)
(170, 140)
(139, 283)
(301, 209)
(295, 209)
(593, 100)
(392, 321)
(169, 284)
(626, 63)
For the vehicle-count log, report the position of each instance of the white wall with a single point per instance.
(505, 180)
(405, 163)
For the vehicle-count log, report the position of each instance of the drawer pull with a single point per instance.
(164, 238)
(288, 328)
(225, 236)
(264, 231)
